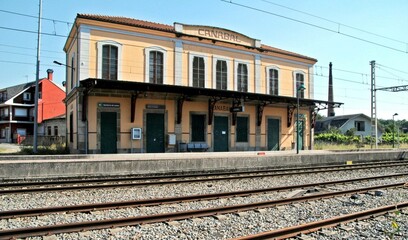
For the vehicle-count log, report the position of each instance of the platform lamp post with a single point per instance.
(61, 64)
(393, 130)
(66, 130)
(299, 89)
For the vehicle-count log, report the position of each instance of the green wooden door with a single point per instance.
(273, 134)
(221, 134)
(108, 132)
(155, 132)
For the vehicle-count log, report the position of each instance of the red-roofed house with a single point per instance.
(17, 109)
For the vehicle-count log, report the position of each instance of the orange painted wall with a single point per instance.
(51, 103)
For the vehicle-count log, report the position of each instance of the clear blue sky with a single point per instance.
(382, 17)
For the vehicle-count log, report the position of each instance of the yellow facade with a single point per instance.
(134, 41)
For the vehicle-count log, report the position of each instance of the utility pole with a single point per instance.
(374, 133)
(37, 79)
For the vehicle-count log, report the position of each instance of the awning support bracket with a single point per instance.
(180, 102)
(133, 107)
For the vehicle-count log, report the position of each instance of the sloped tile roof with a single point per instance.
(128, 21)
(169, 28)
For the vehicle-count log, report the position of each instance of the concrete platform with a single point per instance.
(67, 166)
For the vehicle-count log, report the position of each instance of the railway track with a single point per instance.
(27, 187)
(160, 201)
(306, 228)
(166, 217)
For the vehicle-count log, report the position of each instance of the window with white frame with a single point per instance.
(272, 76)
(299, 78)
(221, 74)
(359, 126)
(155, 64)
(242, 77)
(198, 71)
(110, 62)
(4, 112)
(20, 112)
(26, 96)
(109, 56)
(21, 131)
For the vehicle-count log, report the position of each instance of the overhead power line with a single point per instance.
(338, 23)
(32, 16)
(316, 26)
(30, 31)
(381, 65)
(21, 47)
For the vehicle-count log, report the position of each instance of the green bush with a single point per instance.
(349, 138)
(45, 150)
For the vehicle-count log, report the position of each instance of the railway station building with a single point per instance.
(135, 86)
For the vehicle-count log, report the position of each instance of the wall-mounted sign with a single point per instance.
(221, 108)
(215, 33)
(155, 106)
(136, 133)
(237, 109)
(109, 105)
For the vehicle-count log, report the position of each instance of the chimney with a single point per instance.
(49, 74)
(330, 109)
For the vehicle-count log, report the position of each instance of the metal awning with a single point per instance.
(182, 93)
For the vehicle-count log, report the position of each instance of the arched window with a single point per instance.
(299, 80)
(242, 77)
(155, 64)
(221, 74)
(110, 62)
(198, 72)
(273, 80)
(109, 57)
(156, 67)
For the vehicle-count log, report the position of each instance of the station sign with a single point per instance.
(237, 109)
(109, 105)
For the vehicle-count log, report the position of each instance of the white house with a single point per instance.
(360, 122)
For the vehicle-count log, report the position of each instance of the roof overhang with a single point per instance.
(197, 93)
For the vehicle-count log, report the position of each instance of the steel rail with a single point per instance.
(116, 185)
(293, 231)
(144, 178)
(159, 201)
(166, 217)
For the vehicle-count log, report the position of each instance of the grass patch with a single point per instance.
(54, 149)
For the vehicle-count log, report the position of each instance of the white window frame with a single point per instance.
(228, 61)
(190, 68)
(294, 81)
(248, 63)
(18, 112)
(27, 96)
(267, 78)
(100, 45)
(147, 63)
(4, 112)
(21, 131)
